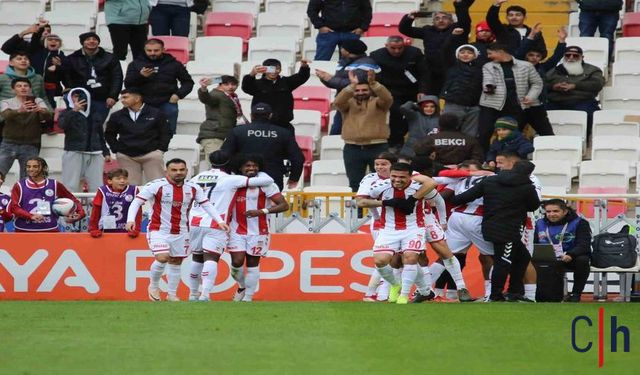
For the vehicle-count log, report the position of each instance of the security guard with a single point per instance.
(273, 142)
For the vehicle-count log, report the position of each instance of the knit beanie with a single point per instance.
(87, 35)
(506, 123)
(354, 46)
(467, 47)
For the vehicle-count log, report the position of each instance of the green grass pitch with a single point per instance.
(308, 338)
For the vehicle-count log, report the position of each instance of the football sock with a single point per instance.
(397, 273)
(374, 282)
(453, 267)
(421, 281)
(439, 292)
(238, 275)
(487, 288)
(209, 273)
(426, 274)
(386, 273)
(173, 278)
(409, 274)
(383, 291)
(157, 269)
(194, 277)
(452, 294)
(436, 270)
(530, 291)
(251, 283)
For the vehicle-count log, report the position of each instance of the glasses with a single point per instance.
(572, 55)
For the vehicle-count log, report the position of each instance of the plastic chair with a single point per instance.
(177, 46)
(211, 49)
(238, 24)
(316, 98)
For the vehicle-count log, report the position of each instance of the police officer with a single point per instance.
(273, 142)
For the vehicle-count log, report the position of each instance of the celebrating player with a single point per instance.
(249, 238)
(171, 199)
(111, 204)
(32, 197)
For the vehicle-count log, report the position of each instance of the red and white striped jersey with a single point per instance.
(253, 198)
(170, 204)
(220, 187)
(363, 191)
(472, 208)
(393, 218)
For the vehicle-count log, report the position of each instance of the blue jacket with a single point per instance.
(577, 237)
(517, 143)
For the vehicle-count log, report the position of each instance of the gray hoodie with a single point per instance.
(420, 125)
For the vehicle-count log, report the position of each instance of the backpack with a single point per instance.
(614, 250)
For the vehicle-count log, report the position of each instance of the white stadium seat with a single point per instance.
(85, 7)
(248, 6)
(287, 24)
(573, 29)
(621, 98)
(184, 146)
(286, 6)
(626, 74)
(307, 122)
(328, 172)
(201, 69)
(191, 114)
(282, 48)
(569, 123)
(309, 49)
(21, 11)
(612, 122)
(604, 173)
(218, 48)
(402, 6)
(331, 147)
(559, 147)
(554, 173)
(68, 26)
(51, 146)
(374, 42)
(611, 147)
(627, 49)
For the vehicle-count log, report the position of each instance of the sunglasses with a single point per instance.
(574, 55)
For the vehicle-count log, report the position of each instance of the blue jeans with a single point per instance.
(13, 151)
(170, 111)
(99, 112)
(357, 159)
(336, 126)
(326, 43)
(604, 21)
(170, 20)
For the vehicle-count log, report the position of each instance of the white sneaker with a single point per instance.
(204, 298)
(173, 298)
(154, 293)
(239, 295)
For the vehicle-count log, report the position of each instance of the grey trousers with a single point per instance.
(76, 165)
(469, 117)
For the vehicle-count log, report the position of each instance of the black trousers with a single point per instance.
(538, 119)
(398, 125)
(487, 121)
(123, 36)
(509, 259)
(581, 269)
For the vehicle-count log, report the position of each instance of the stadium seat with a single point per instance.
(559, 147)
(190, 117)
(554, 173)
(252, 6)
(615, 207)
(612, 122)
(103, 31)
(85, 7)
(307, 145)
(286, 6)
(281, 48)
(309, 50)
(211, 49)
(627, 98)
(51, 146)
(598, 173)
(307, 122)
(245, 67)
(595, 49)
(331, 147)
(184, 146)
(239, 24)
(627, 50)
(626, 74)
(281, 25)
(631, 24)
(328, 172)
(384, 24)
(177, 46)
(68, 26)
(374, 42)
(572, 123)
(317, 98)
(20, 12)
(13, 175)
(573, 29)
(403, 6)
(327, 66)
(611, 147)
(298, 186)
(205, 69)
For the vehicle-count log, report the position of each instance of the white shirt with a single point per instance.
(134, 115)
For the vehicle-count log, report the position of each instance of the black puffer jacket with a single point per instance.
(508, 196)
(77, 71)
(393, 71)
(607, 5)
(463, 84)
(158, 88)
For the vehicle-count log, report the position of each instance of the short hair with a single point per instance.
(19, 53)
(402, 167)
(509, 154)
(175, 161)
(405, 156)
(272, 62)
(449, 121)
(15, 81)
(242, 159)
(118, 172)
(555, 202)
(389, 156)
(498, 47)
(228, 79)
(131, 91)
(447, 14)
(395, 39)
(517, 8)
(536, 50)
(154, 41)
(469, 163)
(43, 164)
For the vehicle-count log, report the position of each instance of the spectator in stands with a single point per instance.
(510, 86)
(364, 107)
(20, 67)
(170, 17)
(423, 119)
(434, 36)
(96, 70)
(223, 108)
(402, 72)
(275, 90)
(32, 197)
(23, 115)
(337, 22)
(574, 85)
(571, 236)
(273, 142)
(38, 31)
(515, 31)
(5, 215)
(139, 134)
(127, 23)
(451, 146)
(353, 56)
(85, 149)
(484, 37)
(601, 15)
(508, 139)
(157, 74)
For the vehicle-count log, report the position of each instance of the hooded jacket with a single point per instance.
(37, 84)
(580, 239)
(508, 196)
(158, 88)
(516, 142)
(77, 70)
(420, 125)
(80, 132)
(588, 84)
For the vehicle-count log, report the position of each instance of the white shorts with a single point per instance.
(208, 240)
(397, 241)
(253, 244)
(176, 245)
(464, 230)
(434, 232)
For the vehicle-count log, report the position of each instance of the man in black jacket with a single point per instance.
(139, 134)
(508, 197)
(275, 90)
(96, 70)
(157, 74)
(403, 72)
(274, 143)
(450, 144)
(513, 33)
(337, 21)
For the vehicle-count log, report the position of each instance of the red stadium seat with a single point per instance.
(178, 46)
(316, 98)
(3, 65)
(385, 24)
(614, 207)
(229, 24)
(631, 24)
(306, 144)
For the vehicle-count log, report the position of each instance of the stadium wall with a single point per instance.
(299, 267)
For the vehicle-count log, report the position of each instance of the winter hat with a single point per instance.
(87, 35)
(575, 49)
(467, 47)
(354, 46)
(53, 36)
(506, 123)
(483, 26)
(428, 99)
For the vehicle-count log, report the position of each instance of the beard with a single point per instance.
(573, 68)
(361, 98)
